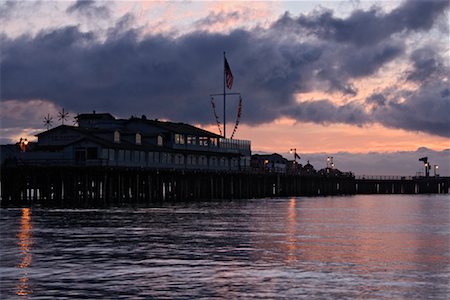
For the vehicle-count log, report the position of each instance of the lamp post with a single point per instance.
(294, 150)
(266, 162)
(23, 144)
(436, 167)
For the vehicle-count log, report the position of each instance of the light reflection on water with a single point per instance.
(360, 246)
(24, 243)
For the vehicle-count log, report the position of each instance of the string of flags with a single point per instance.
(238, 118)
(215, 114)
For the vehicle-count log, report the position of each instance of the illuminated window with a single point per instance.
(179, 139)
(116, 136)
(160, 140)
(191, 140)
(203, 141)
(138, 139)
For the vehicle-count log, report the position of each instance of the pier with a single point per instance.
(97, 186)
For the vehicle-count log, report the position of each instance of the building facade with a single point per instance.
(103, 140)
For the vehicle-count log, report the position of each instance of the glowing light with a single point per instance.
(25, 243)
(292, 231)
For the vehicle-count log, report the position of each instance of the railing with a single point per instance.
(231, 144)
(383, 177)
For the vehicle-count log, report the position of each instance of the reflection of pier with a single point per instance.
(97, 185)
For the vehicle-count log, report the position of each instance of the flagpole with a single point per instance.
(224, 97)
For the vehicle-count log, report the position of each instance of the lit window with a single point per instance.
(192, 140)
(203, 141)
(160, 140)
(116, 136)
(179, 139)
(138, 139)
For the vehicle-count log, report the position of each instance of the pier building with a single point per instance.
(102, 140)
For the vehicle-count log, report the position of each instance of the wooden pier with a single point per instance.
(98, 186)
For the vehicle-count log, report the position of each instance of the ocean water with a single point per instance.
(393, 246)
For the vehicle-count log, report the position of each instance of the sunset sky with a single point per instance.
(364, 81)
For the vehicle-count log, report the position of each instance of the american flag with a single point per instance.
(228, 75)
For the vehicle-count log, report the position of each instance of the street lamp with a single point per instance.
(436, 167)
(294, 150)
(266, 162)
(23, 144)
(330, 163)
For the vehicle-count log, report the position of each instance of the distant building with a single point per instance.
(333, 172)
(308, 170)
(269, 163)
(103, 140)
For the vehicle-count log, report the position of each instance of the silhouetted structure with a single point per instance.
(102, 140)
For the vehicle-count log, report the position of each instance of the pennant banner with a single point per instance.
(238, 118)
(215, 114)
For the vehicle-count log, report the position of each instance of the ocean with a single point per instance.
(363, 246)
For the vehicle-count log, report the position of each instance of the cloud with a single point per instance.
(427, 66)
(6, 9)
(426, 109)
(217, 18)
(87, 8)
(171, 77)
(326, 112)
(367, 28)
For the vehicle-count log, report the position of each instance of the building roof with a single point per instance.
(181, 128)
(95, 116)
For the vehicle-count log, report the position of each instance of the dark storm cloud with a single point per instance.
(89, 9)
(426, 109)
(364, 28)
(427, 66)
(325, 112)
(168, 77)
(171, 77)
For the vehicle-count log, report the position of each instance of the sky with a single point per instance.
(366, 82)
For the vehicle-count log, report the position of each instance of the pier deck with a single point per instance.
(92, 186)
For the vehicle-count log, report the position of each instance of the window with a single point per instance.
(223, 162)
(213, 142)
(203, 141)
(111, 154)
(179, 139)
(191, 140)
(160, 140)
(116, 136)
(179, 159)
(138, 139)
(150, 157)
(92, 153)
